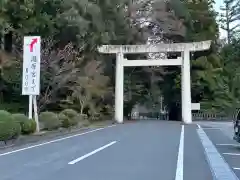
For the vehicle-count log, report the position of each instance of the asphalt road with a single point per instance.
(146, 150)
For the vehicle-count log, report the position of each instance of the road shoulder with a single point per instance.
(195, 162)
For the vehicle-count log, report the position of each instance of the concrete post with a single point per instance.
(186, 88)
(119, 98)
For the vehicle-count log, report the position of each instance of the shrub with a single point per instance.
(95, 117)
(70, 113)
(74, 121)
(9, 130)
(28, 126)
(50, 120)
(67, 121)
(16, 129)
(20, 118)
(5, 116)
(69, 118)
(83, 117)
(82, 120)
(64, 120)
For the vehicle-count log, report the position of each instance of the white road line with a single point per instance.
(53, 141)
(219, 167)
(236, 168)
(91, 153)
(236, 145)
(212, 128)
(179, 170)
(232, 154)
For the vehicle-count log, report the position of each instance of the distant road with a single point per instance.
(146, 150)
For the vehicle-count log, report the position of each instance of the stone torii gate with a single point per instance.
(183, 61)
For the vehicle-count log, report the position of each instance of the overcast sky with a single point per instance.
(217, 8)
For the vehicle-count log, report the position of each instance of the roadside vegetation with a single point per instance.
(77, 83)
(14, 125)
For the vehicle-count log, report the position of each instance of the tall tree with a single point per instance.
(230, 18)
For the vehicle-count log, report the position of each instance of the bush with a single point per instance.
(69, 117)
(70, 113)
(28, 126)
(67, 121)
(9, 130)
(50, 120)
(64, 120)
(82, 120)
(83, 117)
(95, 117)
(5, 116)
(20, 118)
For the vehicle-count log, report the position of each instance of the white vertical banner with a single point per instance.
(31, 65)
(31, 73)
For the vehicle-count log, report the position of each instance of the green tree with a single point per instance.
(230, 17)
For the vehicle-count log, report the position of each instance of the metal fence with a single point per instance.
(149, 115)
(210, 117)
(199, 116)
(217, 116)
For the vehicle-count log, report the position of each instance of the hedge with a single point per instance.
(28, 126)
(9, 129)
(68, 118)
(5, 116)
(70, 113)
(50, 120)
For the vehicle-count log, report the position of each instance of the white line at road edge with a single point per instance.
(220, 169)
(208, 127)
(236, 145)
(179, 170)
(91, 153)
(232, 154)
(53, 141)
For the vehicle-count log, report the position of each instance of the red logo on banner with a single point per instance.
(34, 41)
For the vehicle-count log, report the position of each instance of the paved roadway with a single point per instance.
(150, 150)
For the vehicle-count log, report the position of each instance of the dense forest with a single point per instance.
(75, 76)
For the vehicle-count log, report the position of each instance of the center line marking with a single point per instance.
(91, 153)
(179, 170)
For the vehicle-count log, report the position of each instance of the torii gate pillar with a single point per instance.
(184, 61)
(119, 88)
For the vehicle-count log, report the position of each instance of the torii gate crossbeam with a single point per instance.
(184, 61)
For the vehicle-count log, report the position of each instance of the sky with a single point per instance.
(218, 4)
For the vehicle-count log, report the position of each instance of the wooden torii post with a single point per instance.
(183, 61)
